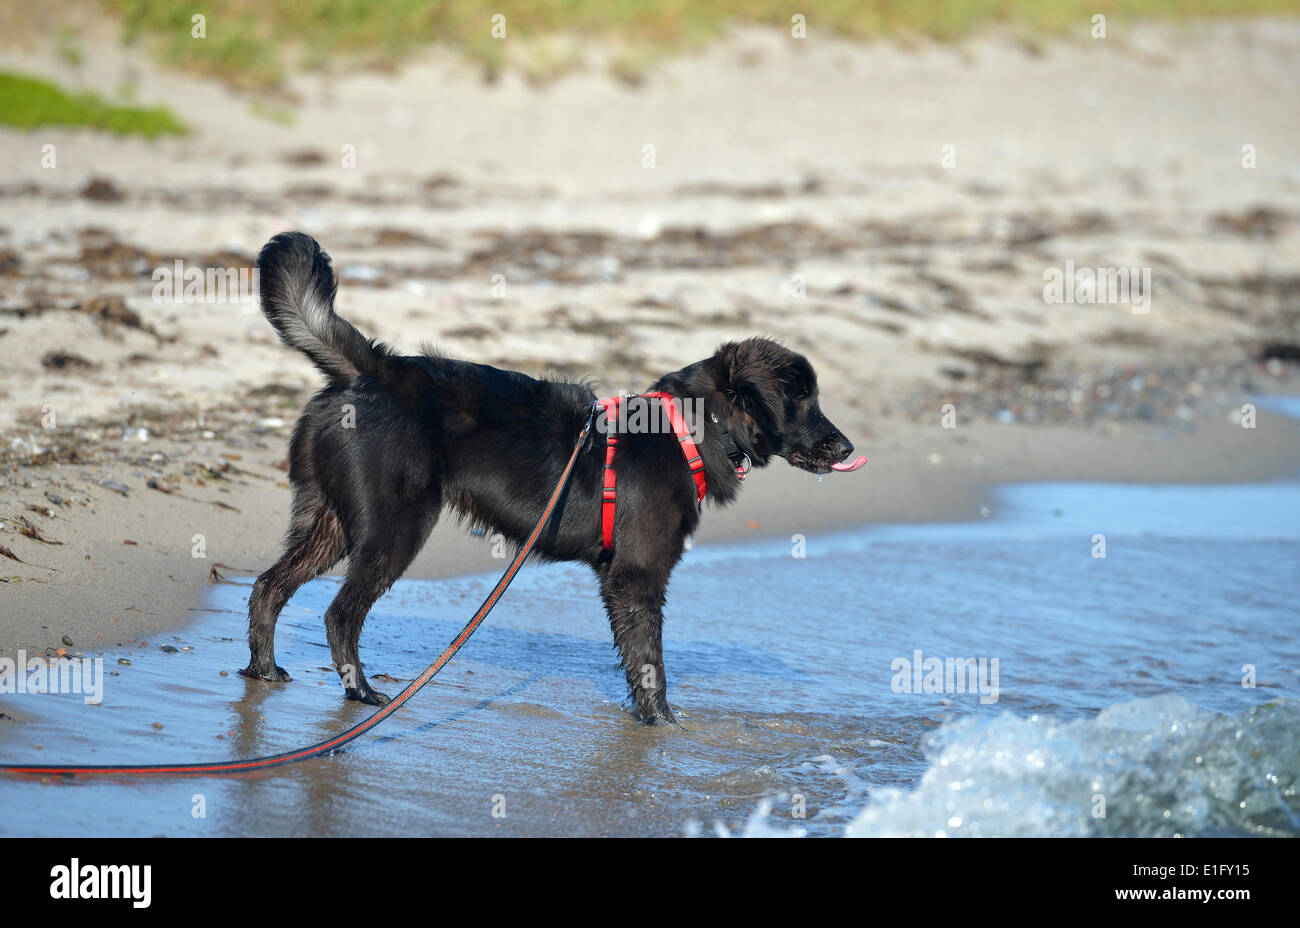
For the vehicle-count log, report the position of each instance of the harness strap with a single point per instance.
(609, 491)
(693, 458)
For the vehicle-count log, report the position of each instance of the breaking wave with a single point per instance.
(1155, 767)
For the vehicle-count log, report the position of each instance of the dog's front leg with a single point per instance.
(634, 600)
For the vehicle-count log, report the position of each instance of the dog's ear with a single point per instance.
(753, 392)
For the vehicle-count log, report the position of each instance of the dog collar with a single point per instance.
(739, 459)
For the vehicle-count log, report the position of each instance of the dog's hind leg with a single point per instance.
(634, 599)
(314, 543)
(374, 565)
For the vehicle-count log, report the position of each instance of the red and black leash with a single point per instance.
(224, 768)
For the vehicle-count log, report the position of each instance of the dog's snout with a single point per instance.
(835, 446)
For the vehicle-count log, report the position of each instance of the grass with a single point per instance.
(29, 103)
(247, 40)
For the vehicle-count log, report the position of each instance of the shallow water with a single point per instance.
(1117, 677)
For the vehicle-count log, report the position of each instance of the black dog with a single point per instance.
(391, 440)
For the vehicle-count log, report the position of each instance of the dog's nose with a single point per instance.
(843, 448)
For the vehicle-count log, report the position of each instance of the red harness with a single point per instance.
(610, 493)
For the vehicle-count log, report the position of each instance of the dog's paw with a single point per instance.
(661, 719)
(661, 715)
(275, 675)
(368, 696)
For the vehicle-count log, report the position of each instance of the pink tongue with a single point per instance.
(849, 468)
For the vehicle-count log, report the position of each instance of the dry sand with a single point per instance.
(797, 190)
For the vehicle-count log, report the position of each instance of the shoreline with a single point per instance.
(111, 590)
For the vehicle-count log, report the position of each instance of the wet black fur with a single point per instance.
(429, 433)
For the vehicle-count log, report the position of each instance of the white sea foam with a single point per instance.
(1157, 766)
(1151, 767)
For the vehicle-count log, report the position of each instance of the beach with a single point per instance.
(928, 223)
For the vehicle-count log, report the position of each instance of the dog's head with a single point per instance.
(769, 406)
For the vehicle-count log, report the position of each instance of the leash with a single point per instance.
(224, 768)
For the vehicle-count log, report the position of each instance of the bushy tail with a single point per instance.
(298, 287)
